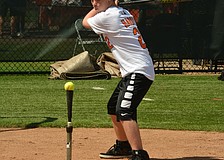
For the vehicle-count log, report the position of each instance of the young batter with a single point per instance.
(120, 31)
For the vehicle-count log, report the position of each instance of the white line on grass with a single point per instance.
(98, 88)
(148, 99)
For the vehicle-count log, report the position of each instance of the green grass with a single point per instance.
(177, 102)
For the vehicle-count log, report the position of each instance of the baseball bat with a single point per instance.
(151, 2)
(136, 2)
(69, 87)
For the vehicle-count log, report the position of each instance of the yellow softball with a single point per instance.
(69, 86)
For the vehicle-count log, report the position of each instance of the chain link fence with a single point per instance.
(177, 35)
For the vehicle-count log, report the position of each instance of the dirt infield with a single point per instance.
(50, 144)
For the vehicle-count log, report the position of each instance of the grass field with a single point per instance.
(178, 102)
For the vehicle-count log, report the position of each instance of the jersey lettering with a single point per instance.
(128, 21)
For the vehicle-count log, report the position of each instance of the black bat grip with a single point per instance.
(69, 95)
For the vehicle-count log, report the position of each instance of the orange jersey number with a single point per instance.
(140, 39)
(135, 32)
(108, 42)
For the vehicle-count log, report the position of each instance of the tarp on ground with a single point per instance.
(85, 66)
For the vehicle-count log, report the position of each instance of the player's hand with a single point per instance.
(117, 2)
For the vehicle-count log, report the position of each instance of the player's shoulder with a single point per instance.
(113, 11)
(107, 15)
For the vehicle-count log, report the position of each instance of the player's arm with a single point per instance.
(91, 13)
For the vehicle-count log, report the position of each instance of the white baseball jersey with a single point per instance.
(120, 32)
